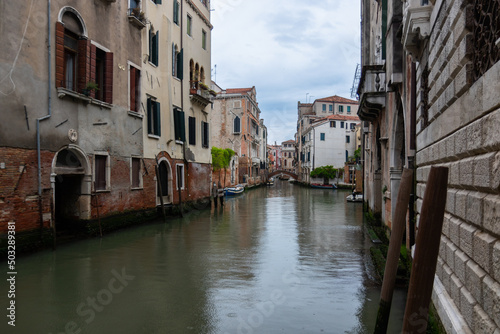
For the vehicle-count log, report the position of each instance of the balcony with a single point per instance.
(416, 24)
(200, 94)
(136, 18)
(371, 91)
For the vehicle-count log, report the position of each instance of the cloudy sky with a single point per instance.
(289, 50)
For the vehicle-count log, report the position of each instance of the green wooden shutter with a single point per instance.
(149, 116)
(150, 38)
(180, 64)
(192, 131)
(157, 119)
(156, 48)
(182, 125)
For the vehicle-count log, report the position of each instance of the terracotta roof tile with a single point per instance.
(238, 90)
(336, 99)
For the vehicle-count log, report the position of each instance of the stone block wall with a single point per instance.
(461, 130)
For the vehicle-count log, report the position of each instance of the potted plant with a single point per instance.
(203, 86)
(89, 87)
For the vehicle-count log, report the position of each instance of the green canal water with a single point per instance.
(281, 259)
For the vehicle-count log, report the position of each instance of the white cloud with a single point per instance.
(286, 49)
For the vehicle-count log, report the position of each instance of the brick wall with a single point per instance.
(19, 200)
(460, 130)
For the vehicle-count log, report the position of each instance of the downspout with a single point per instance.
(38, 120)
(186, 176)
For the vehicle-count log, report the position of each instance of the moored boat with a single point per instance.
(232, 191)
(323, 186)
(355, 197)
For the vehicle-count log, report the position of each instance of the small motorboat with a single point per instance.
(232, 191)
(323, 186)
(355, 197)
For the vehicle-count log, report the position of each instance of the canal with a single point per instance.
(281, 259)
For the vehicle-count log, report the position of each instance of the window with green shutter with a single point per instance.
(154, 121)
(192, 130)
(154, 40)
(204, 134)
(179, 125)
(176, 12)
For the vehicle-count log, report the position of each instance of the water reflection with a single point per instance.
(282, 259)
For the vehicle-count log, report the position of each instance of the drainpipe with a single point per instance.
(38, 120)
(186, 176)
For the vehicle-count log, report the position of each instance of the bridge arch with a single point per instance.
(277, 172)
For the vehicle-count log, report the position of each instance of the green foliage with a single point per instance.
(357, 153)
(221, 158)
(325, 172)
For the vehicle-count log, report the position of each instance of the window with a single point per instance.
(342, 125)
(341, 109)
(324, 108)
(189, 25)
(158, 2)
(308, 156)
(79, 62)
(176, 12)
(322, 136)
(179, 125)
(192, 130)
(136, 176)
(134, 3)
(330, 107)
(205, 133)
(347, 139)
(101, 169)
(203, 39)
(154, 126)
(135, 93)
(353, 126)
(70, 60)
(333, 124)
(180, 176)
(154, 39)
(348, 109)
(284, 163)
(177, 57)
(237, 125)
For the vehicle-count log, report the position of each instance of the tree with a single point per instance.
(326, 172)
(221, 158)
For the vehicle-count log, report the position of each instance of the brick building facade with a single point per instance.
(85, 129)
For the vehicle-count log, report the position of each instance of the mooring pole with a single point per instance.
(391, 266)
(426, 252)
(215, 194)
(160, 190)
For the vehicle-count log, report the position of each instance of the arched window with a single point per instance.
(237, 125)
(71, 59)
(81, 66)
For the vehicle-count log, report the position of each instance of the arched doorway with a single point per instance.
(164, 186)
(71, 184)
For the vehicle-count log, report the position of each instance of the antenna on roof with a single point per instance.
(214, 73)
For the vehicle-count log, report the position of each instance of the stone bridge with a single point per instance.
(277, 172)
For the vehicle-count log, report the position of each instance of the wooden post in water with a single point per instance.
(391, 266)
(215, 194)
(426, 252)
(158, 182)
